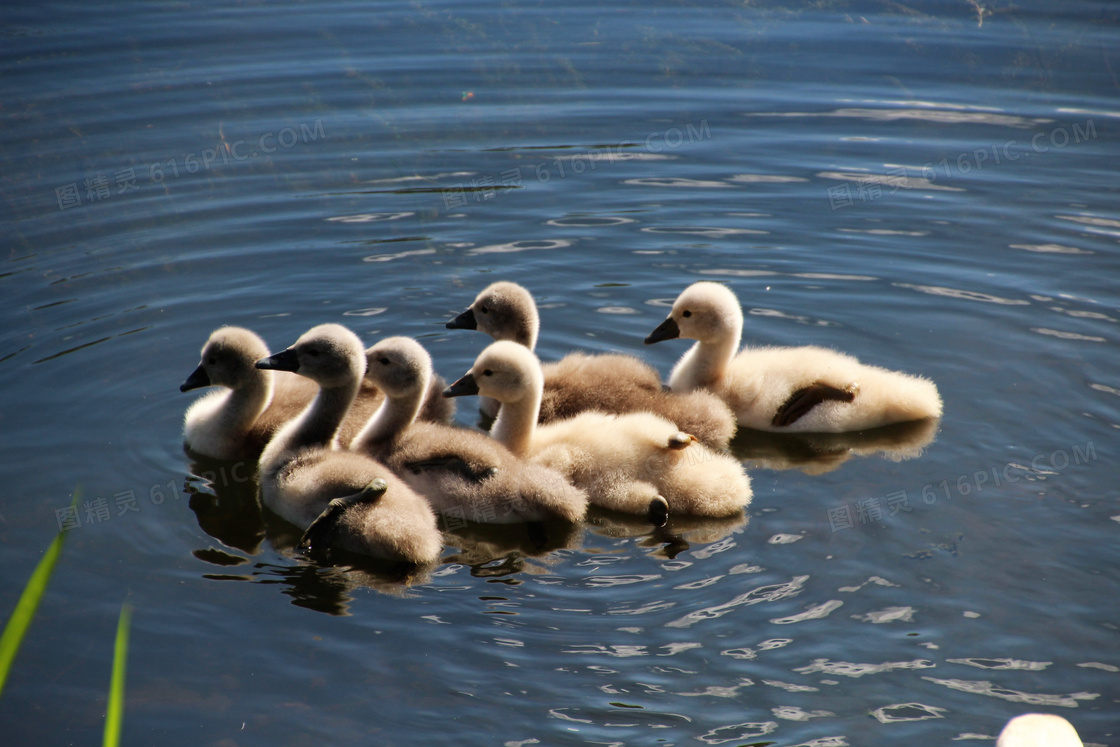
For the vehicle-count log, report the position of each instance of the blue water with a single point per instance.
(927, 185)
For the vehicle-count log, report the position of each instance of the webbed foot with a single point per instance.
(324, 530)
(680, 441)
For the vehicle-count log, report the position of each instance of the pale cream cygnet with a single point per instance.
(636, 462)
(808, 389)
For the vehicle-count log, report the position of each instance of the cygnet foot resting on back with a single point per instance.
(460, 471)
(608, 383)
(1038, 730)
(238, 420)
(637, 462)
(301, 470)
(784, 389)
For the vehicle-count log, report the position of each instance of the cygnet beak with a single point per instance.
(198, 379)
(465, 320)
(462, 387)
(285, 360)
(667, 330)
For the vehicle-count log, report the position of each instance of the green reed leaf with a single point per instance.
(20, 621)
(114, 711)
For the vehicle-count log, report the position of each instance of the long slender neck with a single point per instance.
(245, 404)
(315, 426)
(706, 362)
(392, 418)
(517, 422)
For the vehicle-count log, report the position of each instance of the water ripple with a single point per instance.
(765, 179)
(655, 606)
(397, 255)
(707, 232)
(679, 181)
(793, 713)
(521, 246)
(855, 671)
(1031, 666)
(1067, 335)
(890, 614)
(935, 290)
(983, 687)
(1096, 225)
(813, 613)
(598, 582)
(905, 182)
(369, 217)
(1051, 249)
(908, 712)
(918, 111)
(601, 221)
(617, 651)
(372, 311)
(736, 732)
(770, 593)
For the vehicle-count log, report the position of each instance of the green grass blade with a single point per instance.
(20, 621)
(114, 711)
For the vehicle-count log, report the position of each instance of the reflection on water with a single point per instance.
(225, 500)
(819, 453)
(920, 111)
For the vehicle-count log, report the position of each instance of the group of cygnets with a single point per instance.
(355, 446)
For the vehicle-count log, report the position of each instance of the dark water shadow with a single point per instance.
(680, 533)
(503, 551)
(818, 453)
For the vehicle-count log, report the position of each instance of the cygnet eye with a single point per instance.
(488, 372)
(686, 314)
(384, 361)
(313, 352)
(484, 310)
(211, 361)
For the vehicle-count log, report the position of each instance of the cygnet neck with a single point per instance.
(245, 404)
(517, 422)
(393, 417)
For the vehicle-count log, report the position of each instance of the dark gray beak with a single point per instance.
(285, 360)
(198, 379)
(667, 330)
(465, 320)
(462, 387)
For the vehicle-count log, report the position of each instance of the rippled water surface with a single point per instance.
(929, 185)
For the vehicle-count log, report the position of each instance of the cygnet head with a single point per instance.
(705, 311)
(399, 366)
(1038, 730)
(330, 355)
(503, 310)
(227, 359)
(505, 371)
